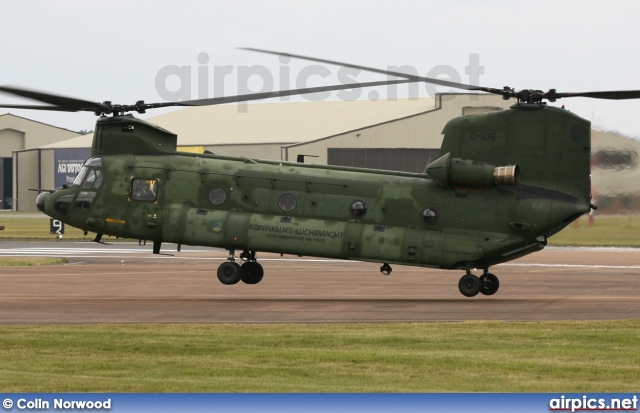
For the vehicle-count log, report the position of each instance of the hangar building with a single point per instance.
(397, 134)
(17, 134)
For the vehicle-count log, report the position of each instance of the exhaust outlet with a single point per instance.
(506, 175)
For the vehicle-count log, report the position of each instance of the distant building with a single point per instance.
(615, 172)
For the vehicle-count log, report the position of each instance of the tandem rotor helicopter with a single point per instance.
(502, 184)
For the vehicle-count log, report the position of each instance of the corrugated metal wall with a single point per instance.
(27, 176)
(18, 134)
(10, 140)
(253, 151)
(47, 169)
(419, 131)
(34, 134)
(390, 159)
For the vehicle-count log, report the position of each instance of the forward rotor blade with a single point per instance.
(38, 107)
(64, 103)
(278, 93)
(68, 104)
(388, 72)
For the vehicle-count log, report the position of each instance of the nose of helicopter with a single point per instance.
(40, 201)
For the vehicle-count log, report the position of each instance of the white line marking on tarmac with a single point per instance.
(515, 264)
(145, 254)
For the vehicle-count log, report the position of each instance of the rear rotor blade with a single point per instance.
(614, 95)
(389, 72)
(526, 95)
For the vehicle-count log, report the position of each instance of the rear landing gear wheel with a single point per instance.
(229, 273)
(252, 272)
(469, 285)
(489, 284)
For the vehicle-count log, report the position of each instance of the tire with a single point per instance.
(229, 273)
(489, 284)
(469, 285)
(251, 272)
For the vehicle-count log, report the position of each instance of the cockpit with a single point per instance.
(88, 181)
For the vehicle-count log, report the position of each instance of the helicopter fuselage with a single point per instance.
(456, 214)
(295, 209)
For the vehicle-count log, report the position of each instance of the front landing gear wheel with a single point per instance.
(385, 269)
(489, 284)
(252, 272)
(469, 285)
(229, 273)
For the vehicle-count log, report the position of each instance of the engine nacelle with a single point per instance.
(459, 173)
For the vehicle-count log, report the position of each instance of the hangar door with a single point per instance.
(6, 183)
(390, 159)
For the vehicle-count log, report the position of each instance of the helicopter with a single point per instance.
(503, 183)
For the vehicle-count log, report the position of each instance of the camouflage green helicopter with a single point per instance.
(502, 184)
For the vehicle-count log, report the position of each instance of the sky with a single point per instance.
(125, 51)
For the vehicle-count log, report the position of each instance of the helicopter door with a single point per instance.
(412, 244)
(145, 206)
(352, 239)
(422, 247)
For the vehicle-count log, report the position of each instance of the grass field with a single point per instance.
(608, 231)
(407, 357)
(30, 261)
(422, 357)
(34, 229)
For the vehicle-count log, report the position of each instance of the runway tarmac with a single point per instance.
(126, 283)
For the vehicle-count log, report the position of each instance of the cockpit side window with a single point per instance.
(85, 168)
(80, 176)
(94, 179)
(94, 162)
(88, 183)
(98, 179)
(90, 177)
(85, 199)
(144, 190)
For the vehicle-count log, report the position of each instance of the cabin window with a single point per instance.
(429, 216)
(358, 209)
(144, 190)
(287, 202)
(217, 196)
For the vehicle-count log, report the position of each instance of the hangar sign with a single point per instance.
(68, 163)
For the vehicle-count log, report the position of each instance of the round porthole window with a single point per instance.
(358, 209)
(287, 202)
(429, 216)
(217, 196)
